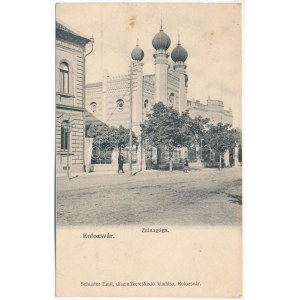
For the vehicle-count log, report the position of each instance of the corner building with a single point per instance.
(71, 50)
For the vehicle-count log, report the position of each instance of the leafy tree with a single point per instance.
(101, 132)
(198, 129)
(120, 137)
(220, 138)
(110, 137)
(163, 128)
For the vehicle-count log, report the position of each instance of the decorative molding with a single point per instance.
(65, 95)
(69, 47)
(75, 108)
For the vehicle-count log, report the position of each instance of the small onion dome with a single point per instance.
(179, 54)
(137, 53)
(186, 78)
(161, 41)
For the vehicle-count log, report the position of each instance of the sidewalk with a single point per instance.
(105, 172)
(193, 168)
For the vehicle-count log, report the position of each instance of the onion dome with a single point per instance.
(161, 40)
(137, 53)
(179, 54)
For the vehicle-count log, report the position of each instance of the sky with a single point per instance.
(211, 33)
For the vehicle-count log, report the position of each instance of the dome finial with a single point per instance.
(137, 53)
(161, 40)
(179, 54)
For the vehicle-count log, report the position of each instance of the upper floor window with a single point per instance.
(64, 77)
(120, 104)
(146, 104)
(93, 106)
(171, 100)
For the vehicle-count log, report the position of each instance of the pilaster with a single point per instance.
(180, 69)
(161, 76)
(104, 95)
(137, 96)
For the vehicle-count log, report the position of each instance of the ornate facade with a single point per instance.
(168, 84)
(71, 50)
(108, 100)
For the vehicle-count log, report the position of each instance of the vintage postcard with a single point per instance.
(149, 149)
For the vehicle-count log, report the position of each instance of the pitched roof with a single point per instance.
(66, 32)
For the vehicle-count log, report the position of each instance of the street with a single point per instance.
(200, 197)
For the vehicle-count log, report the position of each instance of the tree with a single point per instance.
(101, 132)
(220, 138)
(198, 130)
(163, 128)
(120, 136)
(110, 137)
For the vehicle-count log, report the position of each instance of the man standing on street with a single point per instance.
(120, 163)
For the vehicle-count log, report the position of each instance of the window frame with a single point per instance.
(64, 77)
(146, 104)
(65, 137)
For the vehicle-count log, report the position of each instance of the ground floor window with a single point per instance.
(65, 143)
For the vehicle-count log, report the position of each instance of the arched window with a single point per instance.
(171, 100)
(93, 106)
(146, 104)
(64, 77)
(120, 104)
(65, 131)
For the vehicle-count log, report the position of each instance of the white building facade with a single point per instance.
(168, 84)
(109, 99)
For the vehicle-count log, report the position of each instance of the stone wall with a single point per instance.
(75, 119)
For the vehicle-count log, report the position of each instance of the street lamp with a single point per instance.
(68, 129)
(130, 120)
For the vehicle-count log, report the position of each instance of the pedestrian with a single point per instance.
(120, 163)
(185, 166)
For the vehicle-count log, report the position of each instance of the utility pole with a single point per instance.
(130, 122)
(201, 148)
(68, 158)
(68, 131)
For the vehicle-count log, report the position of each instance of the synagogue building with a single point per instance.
(108, 99)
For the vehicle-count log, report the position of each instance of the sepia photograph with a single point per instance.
(159, 168)
(148, 131)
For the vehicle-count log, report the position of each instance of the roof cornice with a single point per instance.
(64, 32)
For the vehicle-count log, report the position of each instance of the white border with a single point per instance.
(271, 156)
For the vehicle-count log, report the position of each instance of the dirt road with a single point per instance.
(201, 197)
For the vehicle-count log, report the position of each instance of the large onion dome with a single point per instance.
(179, 54)
(137, 53)
(161, 40)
